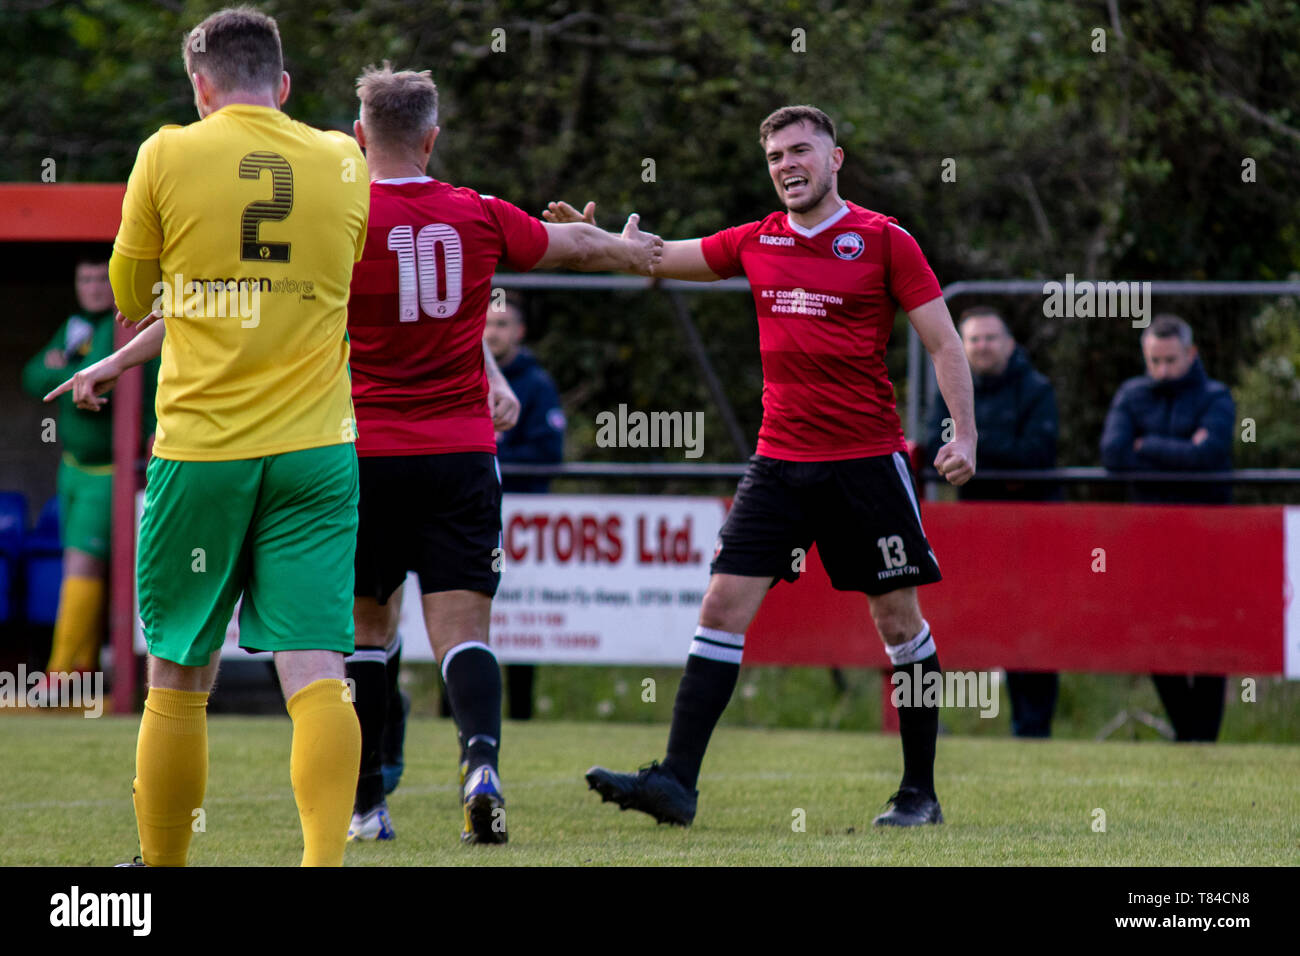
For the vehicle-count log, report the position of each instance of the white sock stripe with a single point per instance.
(916, 649)
(463, 647)
(716, 652)
(919, 654)
(375, 655)
(721, 637)
(913, 642)
(491, 741)
(394, 645)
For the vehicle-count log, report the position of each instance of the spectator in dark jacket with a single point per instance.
(1015, 411)
(1175, 418)
(538, 438)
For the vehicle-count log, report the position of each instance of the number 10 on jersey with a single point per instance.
(429, 264)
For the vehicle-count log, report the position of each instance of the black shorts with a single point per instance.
(862, 513)
(436, 515)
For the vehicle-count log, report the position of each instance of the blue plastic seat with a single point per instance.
(43, 566)
(13, 521)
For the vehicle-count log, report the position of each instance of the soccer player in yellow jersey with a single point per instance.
(251, 222)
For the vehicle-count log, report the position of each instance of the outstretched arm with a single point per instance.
(587, 248)
(681, 259)
(684, 259)
(94, 381)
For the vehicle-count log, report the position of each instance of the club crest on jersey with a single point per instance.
(848, 245)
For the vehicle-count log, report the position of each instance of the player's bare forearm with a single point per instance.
(145, 347)
(94, 381)
(933, 324)
(584, 247)
(952, 371)
(684, 259)
(490, 363)
(503, 404)
(680, 259)
(934, 327)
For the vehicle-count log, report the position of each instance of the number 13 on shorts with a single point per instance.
(891, 548)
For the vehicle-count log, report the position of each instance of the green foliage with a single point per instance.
(1123, 164)
(1268, 392)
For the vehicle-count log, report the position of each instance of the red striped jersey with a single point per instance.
(420, 294)
(826, 299)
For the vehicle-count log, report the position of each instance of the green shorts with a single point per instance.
(85, 507)
(281, 531)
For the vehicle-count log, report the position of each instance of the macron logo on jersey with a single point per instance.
(776, 240)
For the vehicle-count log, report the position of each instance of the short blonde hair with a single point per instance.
(400, 108)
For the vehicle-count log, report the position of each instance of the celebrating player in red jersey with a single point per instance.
(430, 488)
(827, 277)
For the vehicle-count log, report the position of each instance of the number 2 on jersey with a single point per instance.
(429, 264)
(275, 209)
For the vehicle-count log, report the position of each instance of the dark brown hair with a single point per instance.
(789, 116)
(237, 49)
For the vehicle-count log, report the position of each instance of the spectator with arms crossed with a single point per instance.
(1175, 418)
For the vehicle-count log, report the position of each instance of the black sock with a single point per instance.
(393, 667)
(460, 734)
(367, 671)
(394, 721)
(473, 679)
(702, 696)
(918, 726)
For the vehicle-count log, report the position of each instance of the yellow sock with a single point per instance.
(323, 767)
(79, 625)
(171, 773)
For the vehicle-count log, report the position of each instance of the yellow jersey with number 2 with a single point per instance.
(255, 220)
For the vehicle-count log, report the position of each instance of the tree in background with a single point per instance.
(1017, 138)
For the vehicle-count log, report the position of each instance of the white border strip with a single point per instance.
(1291, 593)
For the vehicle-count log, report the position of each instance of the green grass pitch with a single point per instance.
(65, 800)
